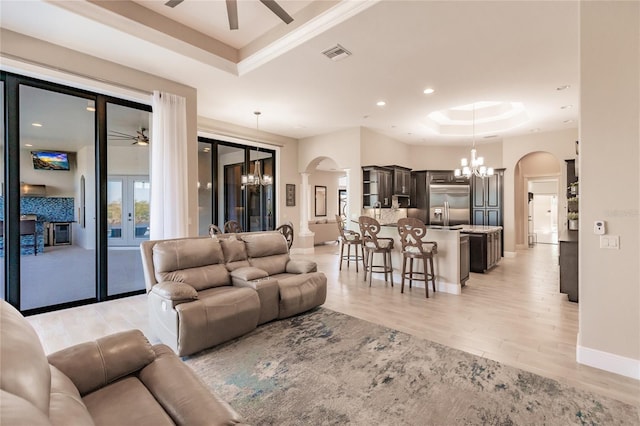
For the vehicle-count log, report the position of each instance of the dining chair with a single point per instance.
(412, 233)
(214, 230)
(372, 244)
(286, 229)
(232, 226)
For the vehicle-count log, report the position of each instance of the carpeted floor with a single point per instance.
(327, 368)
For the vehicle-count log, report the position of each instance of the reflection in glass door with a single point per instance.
(128, 191)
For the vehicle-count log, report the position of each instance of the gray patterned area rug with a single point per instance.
(327, 368)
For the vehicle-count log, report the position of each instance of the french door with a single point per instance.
(127, 210)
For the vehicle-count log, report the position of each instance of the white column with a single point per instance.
(304, 208)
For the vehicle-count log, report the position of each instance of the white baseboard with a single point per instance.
(606, 361)
(510, 254)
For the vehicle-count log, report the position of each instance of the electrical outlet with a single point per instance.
(598, 227)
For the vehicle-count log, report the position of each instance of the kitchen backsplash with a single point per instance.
(47, 209)
(386, 215)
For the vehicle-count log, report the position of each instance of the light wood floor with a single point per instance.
(514, 314)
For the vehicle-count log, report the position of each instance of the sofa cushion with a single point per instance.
(200, 278)
(249, 273)
(274, 264)
(235, 253)
(182, 394)
(24, 370)
(66, 406)
(126, 402)
(265, 244)
(92, 365)
(220, 314)
(301, 266)
(189, 253)
(16, 411)
(299, 293)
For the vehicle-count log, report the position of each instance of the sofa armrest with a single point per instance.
(301, 266)
(173, 290)
(181, 393)
(248, 273)
(93, 365)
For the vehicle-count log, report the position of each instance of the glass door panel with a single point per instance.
(57, 167)
(128, 190)
(260, 194)
(205, 189)
(2, 282)
(230, 170)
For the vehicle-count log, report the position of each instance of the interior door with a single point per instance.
(128, 210)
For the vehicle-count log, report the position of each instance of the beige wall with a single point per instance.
(560, 144)
(330, 180)
(380, 150)
(343, 147)
(448, 157)
(609, 184)
(66, 66)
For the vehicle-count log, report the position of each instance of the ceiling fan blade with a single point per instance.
(275, 8)
(173, 3)
(232, 13)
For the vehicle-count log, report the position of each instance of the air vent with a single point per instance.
(336, 53)
(490, 136)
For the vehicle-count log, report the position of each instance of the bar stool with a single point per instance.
(349, 238)
(214, 230)
(372, 244)
(412, 231)
(286, 229)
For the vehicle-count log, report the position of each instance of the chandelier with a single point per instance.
(256, 178)
(476, 166)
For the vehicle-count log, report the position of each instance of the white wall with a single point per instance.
(380, 150)
(448, 157)
(609, 280)
(124, 160)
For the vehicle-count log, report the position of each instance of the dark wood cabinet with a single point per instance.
(485, 250)
(376, 186)
(486, 200)
(569, 264)
(401, 180)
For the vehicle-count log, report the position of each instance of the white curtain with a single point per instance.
(168, 167)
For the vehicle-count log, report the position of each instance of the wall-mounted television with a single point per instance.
(50, 160)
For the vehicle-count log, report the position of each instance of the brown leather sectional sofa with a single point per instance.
(117, 380)
(205, 291)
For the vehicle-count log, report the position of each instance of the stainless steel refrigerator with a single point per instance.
(449, 204)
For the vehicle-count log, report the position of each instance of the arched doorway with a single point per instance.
(537, 220)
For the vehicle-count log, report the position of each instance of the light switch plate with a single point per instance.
(598, 227)
(610, 242)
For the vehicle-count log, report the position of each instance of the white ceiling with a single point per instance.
(510, 51)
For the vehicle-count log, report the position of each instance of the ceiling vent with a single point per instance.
(336, 53)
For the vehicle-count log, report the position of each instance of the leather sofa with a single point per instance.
(116, 380)
(205, 291)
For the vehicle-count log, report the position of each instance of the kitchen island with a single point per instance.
(451, 263)
(485, 246)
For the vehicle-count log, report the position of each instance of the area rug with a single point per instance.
(327, 368)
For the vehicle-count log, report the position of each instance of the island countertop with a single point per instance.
(479, 229)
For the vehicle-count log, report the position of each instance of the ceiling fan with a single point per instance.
(232, 11)
(140, 138)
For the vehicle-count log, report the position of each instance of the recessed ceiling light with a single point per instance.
(206, 149)
(36, 124)
(91, 106)
(428, 91)
(566, 106)
(28, 145)
(563, 87)
(381, 103)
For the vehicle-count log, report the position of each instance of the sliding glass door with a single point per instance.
(54, 217)
(235, 182)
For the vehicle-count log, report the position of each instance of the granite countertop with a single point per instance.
(480, 229)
